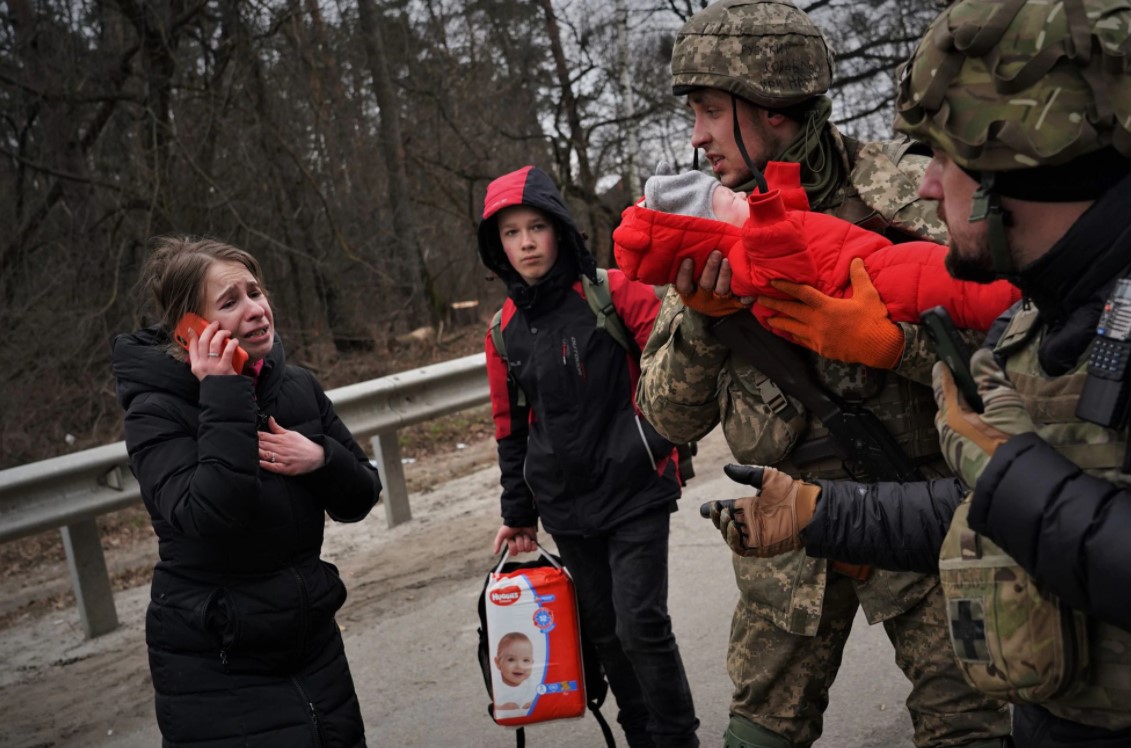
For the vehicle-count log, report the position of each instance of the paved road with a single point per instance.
(414, 658)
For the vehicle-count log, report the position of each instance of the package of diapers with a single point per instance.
(530, 642)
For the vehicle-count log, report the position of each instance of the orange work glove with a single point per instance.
(712, 304)
(857, 330)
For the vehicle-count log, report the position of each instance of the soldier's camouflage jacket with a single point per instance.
(1026, 646)
(690, 383)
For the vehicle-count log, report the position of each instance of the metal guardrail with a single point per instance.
(69, 492)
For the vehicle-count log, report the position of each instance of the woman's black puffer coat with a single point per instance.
(243, 646)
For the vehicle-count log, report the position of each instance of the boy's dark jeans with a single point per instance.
(621, 578)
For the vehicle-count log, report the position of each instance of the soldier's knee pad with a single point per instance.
(742, 733)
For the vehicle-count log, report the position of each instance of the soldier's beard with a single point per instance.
(968, 256)
(976, 267)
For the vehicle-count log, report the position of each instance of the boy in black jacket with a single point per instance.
(574, 452)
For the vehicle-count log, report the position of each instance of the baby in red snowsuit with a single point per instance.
(766, 236)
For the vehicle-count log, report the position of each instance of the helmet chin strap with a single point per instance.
(986, 206)
(756, 173)
(759, 179)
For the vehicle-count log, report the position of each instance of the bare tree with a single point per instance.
(348, 145)
(407, 260)
(626, 109)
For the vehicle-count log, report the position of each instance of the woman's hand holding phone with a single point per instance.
(212, 351)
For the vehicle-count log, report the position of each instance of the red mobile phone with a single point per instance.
(197, 323)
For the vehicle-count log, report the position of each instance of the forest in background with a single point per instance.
(346, 144)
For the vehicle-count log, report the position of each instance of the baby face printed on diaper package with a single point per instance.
(515, 658)
(515, 662)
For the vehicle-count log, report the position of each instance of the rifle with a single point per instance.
(859, 438)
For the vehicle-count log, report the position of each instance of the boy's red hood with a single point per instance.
(532, 187)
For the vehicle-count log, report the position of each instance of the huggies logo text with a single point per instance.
(505, 595)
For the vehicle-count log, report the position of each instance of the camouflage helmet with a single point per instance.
(765, 51)
(1001, 85)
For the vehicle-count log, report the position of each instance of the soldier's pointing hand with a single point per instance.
(768, 523)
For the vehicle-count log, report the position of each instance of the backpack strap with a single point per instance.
(600, 300)
(595, 708)
(501, 349)
(497, 335)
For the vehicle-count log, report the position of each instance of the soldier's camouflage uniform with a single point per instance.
(793, 616)
(1039, 105)
(1098, 691)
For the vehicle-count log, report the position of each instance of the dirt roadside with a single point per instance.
(411, 634)
(61, 690)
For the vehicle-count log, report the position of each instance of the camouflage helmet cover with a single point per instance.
(765, 51)
(1000, 85)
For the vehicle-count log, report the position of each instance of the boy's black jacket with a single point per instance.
(576, 454)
